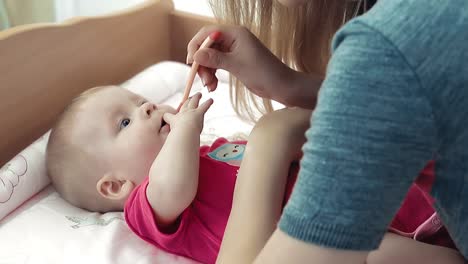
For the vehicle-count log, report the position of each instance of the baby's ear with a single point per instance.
(114, 188)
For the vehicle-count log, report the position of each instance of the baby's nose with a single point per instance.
(148, 108)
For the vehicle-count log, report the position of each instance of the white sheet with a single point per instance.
(46, 229)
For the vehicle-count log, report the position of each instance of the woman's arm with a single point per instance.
(301, 91)
(372, 132)
(273, 144)
(282, 248)
(402, 250)
(393, 249)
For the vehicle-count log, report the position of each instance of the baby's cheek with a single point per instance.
(141, 156)
(145, 143)
(150, 147)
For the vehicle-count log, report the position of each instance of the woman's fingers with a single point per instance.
(208, 77)
(215, 59)
(198, 39)
(212, 85)
(195, 44)
(224, 41)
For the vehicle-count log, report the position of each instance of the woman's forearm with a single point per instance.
(282, 248)
(259, 192)
(300, 89)
(256, 206)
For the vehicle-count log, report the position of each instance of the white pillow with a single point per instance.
(160, 81)
(25, 175)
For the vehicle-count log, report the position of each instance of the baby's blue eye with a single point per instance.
(125, 122)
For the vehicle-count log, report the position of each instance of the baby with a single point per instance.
(112, 150)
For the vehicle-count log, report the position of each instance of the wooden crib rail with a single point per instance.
(43, 66)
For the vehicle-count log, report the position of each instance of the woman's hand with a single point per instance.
(241, 53)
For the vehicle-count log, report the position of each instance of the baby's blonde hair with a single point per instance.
(300, 37)
(72, 170)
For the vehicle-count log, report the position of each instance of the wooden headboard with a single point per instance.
(43, 66)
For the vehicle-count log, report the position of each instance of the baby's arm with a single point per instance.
(273, 144)
(173, 176)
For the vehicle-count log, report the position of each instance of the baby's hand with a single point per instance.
(191, 115)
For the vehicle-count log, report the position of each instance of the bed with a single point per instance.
(42, 67)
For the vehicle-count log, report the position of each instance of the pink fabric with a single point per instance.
(417, 218)
(202, 224)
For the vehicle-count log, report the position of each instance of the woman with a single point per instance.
(393, 99)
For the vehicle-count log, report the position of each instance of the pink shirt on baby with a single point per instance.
(202, 224)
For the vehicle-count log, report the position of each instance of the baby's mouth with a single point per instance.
(163, 123)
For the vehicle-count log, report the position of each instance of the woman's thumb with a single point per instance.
(212, 58)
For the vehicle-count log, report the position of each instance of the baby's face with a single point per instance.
(124, 130)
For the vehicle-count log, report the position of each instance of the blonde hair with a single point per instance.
(69, 166)
(299, 36)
